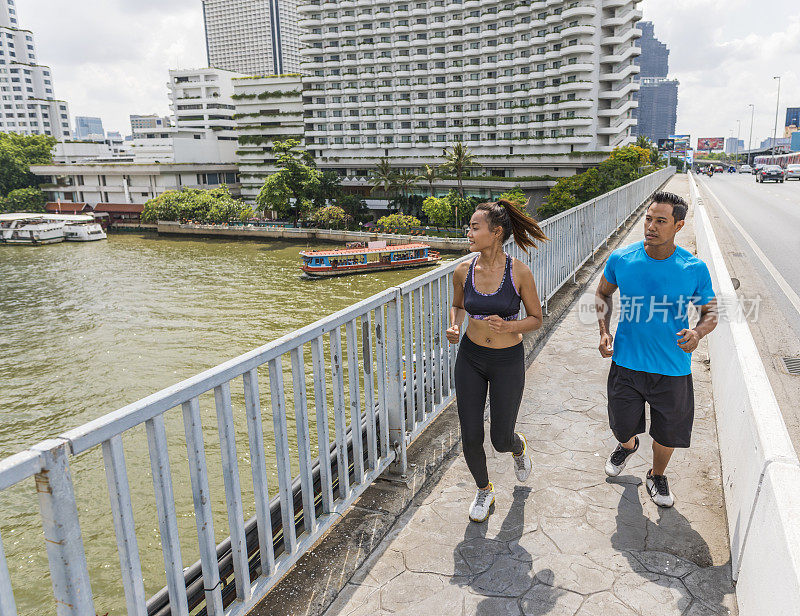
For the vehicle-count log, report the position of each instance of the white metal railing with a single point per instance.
(396, 370)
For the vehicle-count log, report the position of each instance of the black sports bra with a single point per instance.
(504, 302)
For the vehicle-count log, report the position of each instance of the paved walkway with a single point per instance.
(570, 542)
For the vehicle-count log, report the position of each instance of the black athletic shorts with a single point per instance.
(671, 400)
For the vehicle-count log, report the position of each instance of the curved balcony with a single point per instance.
(631, 69)
(633, 15)
(579, 11)
(629, 52)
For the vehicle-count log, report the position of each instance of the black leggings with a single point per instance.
(476, 367)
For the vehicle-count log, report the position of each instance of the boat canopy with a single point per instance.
(45, 217)
(347, 252)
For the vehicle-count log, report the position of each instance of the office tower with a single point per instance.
(254, 37)
(89, 129)
(657, 113)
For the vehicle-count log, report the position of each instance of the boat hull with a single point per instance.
(33, 242)
(328, 272)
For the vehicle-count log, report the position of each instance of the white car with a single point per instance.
(745, 169)
(793, 172)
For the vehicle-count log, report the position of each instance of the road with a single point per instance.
(758, 228)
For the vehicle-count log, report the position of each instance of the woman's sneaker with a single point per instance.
(658, 489)
(479, 509)
(522, 462)
(619, 458)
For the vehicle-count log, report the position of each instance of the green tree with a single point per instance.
(621, 167)
(398, 221)
(383, 177)
(23, 200)
(17, 154)
(405, 180)
(331, 217)
(430, 173)
(290, 190)
(516, 196)
(328, 188)
(457, 162)
(216, 205)
(354, 205)
(438, 210)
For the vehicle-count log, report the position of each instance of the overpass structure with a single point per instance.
(379, 378)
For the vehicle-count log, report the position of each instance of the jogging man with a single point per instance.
(652, 355)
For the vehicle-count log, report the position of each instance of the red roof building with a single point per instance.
(121, 212)
(66, 207)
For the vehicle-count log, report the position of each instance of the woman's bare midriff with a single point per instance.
(480, 333)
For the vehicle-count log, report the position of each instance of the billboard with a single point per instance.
(681, 143)
(710, 143)
(666, 144)
(689, 157)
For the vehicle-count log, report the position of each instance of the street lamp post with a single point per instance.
(750, 139)
(738, 131)
(777, 106)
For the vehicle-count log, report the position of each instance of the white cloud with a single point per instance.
(110, 58)
(725, 54)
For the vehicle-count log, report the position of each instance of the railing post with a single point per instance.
(62, 531)
(394, 399)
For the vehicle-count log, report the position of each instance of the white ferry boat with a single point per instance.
(42, 228)
(83, 228)
(24, 228)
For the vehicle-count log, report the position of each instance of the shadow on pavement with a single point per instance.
(697, 581)
(503, 582)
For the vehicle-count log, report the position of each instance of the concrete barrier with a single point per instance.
(760, 468)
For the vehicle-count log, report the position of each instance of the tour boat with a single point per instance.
(42, 228)
(359, 257)
(83, 229)
(24, 228)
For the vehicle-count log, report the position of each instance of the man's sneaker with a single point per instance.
(658, 488)
(522, 462)
(479, 509)
(619, 458)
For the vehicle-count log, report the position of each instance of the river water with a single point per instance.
(88, 328)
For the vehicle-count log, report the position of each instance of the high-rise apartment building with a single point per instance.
(657, 113)
(520, 77)
(28, 104)
(254, 37)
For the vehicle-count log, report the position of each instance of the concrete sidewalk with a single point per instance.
(570, 541)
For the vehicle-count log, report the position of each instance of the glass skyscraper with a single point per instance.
(657, 113)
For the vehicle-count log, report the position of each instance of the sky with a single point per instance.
(110, 58)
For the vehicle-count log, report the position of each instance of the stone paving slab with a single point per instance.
(570, 541)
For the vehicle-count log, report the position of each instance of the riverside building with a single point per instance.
(28, 105)
(531, 86)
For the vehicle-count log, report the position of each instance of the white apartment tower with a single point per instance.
(28, 105)
(254, 37)
(509, 77)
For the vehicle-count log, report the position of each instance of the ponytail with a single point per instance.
(505, 214)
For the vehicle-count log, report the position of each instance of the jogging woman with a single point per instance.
(489, 288)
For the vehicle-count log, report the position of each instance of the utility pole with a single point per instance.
(777, 106)
(750, 140)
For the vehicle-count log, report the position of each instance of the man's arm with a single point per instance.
(690, 338)
(604, 306)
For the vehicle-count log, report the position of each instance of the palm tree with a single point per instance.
(457, 161)
(430, 173)
(405, 180)
(383, 177)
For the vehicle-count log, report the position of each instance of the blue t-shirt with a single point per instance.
(654, 301)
